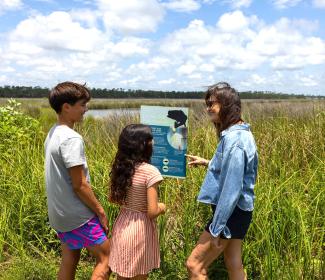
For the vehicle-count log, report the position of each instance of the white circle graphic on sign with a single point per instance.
(165, 161)
(165, 168)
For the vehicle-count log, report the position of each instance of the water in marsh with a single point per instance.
(102, 113)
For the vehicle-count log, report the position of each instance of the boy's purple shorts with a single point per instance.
(89, 234)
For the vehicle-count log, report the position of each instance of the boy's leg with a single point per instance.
(233, 260)
(101, 253)
(203, 255)
(69, 262)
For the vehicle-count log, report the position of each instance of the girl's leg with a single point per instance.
(69, 262)
(233, 260)
(138, 277)
(101, 253)
(205, 252)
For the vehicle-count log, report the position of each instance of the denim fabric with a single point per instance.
(231, 176)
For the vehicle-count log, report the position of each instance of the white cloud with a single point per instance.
(287, 47)
(167, 81)
(220, 47)
(236, 4)
(86, 16)
(305, 26)
(319, 3)
(240, 48)
(235, 21)
(240, 42)
(207, 67)
(186, 69)
(182, 5)
(150, 67)
(10, 5)
(258, 79)
(3, 79)
(129, 46)
(308, 81)
(55, 31)
(196, 33)
(50, 47)
(131, 16)
(283, 4)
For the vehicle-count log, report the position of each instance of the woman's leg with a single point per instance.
(233, 260)
(69, 262)
(101, 253)
(206, 251)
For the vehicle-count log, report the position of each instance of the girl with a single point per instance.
(228, 186)
(134, 183)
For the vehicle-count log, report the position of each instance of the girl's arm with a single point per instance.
(154, 207)
(195, 161)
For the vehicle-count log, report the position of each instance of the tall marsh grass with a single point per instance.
(285, 241)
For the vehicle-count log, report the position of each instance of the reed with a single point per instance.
(285, 241)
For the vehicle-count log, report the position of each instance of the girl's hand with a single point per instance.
(162, 208)
(196, 161)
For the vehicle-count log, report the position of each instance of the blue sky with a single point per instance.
(276, 45)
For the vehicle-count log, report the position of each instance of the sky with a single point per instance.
(271, 45)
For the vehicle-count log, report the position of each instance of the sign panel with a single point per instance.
(169, 127)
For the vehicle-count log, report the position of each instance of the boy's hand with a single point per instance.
(196, 161)
(103, 220)
(162, 207)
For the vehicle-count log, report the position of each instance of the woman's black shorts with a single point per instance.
(238, 223)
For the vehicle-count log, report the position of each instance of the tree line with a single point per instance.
(39, 92)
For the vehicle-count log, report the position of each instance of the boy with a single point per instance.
(74, 212)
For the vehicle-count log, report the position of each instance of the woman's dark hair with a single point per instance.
(230, 105)
(134, 147)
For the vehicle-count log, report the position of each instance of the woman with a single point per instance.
(228, 186)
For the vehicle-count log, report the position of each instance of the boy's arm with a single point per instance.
(83, 190)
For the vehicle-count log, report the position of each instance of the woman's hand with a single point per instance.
(216, 243)
(196, 161)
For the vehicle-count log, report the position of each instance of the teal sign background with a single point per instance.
(170, 128)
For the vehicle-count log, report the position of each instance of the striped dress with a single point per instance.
(134, 244)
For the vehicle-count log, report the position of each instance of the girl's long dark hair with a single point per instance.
(230, 105)
(134, 147)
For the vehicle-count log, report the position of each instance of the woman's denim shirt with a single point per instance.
(231, 176)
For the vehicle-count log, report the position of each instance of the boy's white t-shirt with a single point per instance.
(64, 148)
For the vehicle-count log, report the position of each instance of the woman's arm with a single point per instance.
(196, 161)
(155, 208)
(231, 182)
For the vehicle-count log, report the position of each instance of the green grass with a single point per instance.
(285, 241)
